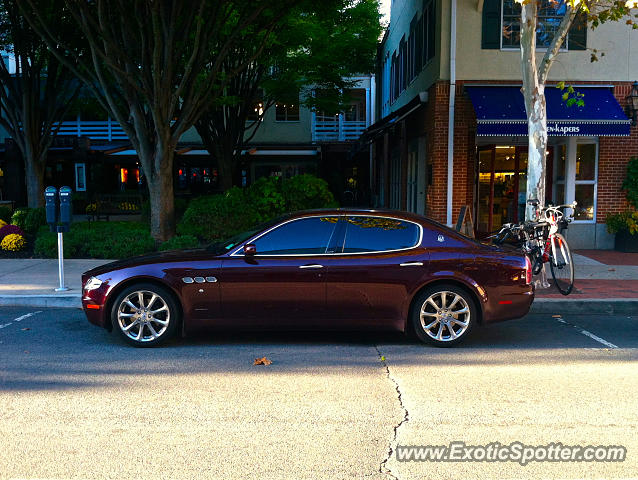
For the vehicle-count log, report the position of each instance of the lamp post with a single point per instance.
(632, 104)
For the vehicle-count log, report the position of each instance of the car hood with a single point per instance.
(157, 257)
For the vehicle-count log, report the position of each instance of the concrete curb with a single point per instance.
(596, 306)
(69, 300)
(555, 306)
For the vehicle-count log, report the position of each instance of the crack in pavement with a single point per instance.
(383, 467)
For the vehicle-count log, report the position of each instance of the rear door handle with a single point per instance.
(313, 265)
(411, 264)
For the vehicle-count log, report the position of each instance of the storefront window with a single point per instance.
(585, 181)
(586, 162)
(584, 196)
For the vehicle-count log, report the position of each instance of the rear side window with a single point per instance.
(377, 234)
(299, 237)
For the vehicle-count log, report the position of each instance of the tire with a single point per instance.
(436, 318)
(562, 266)
(139, 324)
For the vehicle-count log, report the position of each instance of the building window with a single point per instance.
(585, 181)
(575, 177)
(80, 177)
(5, 61)
(287, 112)
(502, 25)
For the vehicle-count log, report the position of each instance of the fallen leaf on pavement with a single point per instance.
(262, 361)
(382, 358)
(556, 316)
(27, 328)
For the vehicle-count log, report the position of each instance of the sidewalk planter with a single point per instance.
(626, 242)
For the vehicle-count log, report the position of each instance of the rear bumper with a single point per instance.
(515, 303)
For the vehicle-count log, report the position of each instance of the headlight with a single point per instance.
(92, 283)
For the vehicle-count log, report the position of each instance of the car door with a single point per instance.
(284, 282)
(371, 280)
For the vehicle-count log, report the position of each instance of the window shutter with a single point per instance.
(577, 39)
(491, 36)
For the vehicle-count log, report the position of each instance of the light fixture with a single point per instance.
(632, 104)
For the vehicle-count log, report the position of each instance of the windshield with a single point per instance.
(219, 248)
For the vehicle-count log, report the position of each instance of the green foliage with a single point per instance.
(625, 221)
(571, 96)
(110, 240)
(5, 214)
(218, 217)
(631, 182)
(180, 242)
(19, 216)
(29, 219)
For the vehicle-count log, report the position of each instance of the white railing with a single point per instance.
(336, 129)
(96, 130)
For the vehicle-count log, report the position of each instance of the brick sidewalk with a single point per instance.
(595, 288)
(610, 257)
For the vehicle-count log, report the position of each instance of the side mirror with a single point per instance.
(250, 249)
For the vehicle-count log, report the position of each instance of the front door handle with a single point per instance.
(411, 264)
(313, 265)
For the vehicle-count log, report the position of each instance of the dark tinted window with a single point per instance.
(373, 234)
(304, 236)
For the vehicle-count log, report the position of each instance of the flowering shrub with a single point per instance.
(9, 230)
(13, 242)
(622, 221)
(91, 208)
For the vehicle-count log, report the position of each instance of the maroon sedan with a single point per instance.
(328, 268)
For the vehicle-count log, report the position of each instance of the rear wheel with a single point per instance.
(145, 315)
(562, 265)
(443, 315)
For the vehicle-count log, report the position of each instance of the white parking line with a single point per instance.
(589, 334)
(20, 318)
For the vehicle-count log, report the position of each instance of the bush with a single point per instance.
(13, 242)
(5, 214)
(110, 240)
(10, 230)
(19, 216)
(625, 221)
(180, 242)
(29, 219)
(631, 182)
(217, 217)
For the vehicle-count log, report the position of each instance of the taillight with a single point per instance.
(528, 271)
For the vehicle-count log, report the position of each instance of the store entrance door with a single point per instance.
(502, 185)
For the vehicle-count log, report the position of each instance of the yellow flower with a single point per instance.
(2, 223)
(13, 242)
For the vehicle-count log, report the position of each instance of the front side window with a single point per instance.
(306, 236)
(377, 234)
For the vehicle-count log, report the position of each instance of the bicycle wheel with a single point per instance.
(562, 264)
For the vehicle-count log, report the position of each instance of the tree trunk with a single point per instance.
(534, 93)
(225, 164)
(162, 197)
(35, 183)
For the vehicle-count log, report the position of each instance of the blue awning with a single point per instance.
(501, 111)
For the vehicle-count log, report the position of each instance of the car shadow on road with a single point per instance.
(65, 352)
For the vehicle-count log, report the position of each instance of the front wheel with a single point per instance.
(145, 315)
(443, 315)
(562, 264)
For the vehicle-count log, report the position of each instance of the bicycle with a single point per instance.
(542, 242)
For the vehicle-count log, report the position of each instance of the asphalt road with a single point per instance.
(75, 402)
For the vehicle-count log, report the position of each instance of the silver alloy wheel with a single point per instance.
(143, 316)
(445, 316)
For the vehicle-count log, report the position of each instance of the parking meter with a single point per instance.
(66, 207)
(51, 206)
